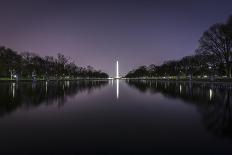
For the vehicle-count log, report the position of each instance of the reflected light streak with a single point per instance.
(117, 86)
(13, 89)
(46, 87)
(210, 94)
(66, 84)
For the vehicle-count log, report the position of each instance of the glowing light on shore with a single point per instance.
(180, 88)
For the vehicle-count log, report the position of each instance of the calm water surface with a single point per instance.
(115, 117)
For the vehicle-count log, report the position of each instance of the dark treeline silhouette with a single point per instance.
(213, 100)
(29, 65)
(29, 95)
(212, 58)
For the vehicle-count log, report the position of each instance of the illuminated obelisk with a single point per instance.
(117, 79)
(117, 70)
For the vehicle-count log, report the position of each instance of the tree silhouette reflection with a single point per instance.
(28, 95)
(213, 100)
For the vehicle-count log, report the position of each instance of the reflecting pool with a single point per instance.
(115, 117)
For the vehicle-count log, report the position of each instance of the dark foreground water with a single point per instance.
(115, 117)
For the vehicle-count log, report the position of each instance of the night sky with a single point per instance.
(100, 32)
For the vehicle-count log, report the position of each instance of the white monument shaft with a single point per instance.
(117, 79)
(117, 70)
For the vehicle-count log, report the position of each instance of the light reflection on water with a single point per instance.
(117, 87)
(13, 89)
(210, 94)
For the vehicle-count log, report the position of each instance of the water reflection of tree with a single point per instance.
(28, 95)
(217, 118)
(213, 100)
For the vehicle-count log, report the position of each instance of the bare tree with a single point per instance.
(217, 41)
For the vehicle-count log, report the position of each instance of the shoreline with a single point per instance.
(38, 80)
(203, 80)
(218, 80)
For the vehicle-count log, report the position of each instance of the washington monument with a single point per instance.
(117, 71)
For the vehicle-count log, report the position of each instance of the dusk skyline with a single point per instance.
(99, 33)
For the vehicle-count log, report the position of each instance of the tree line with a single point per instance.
(29, 65)
(212, 58)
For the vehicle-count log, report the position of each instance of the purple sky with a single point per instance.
(97, 33)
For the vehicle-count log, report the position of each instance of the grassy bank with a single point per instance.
(53, 79)
(202, 79)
